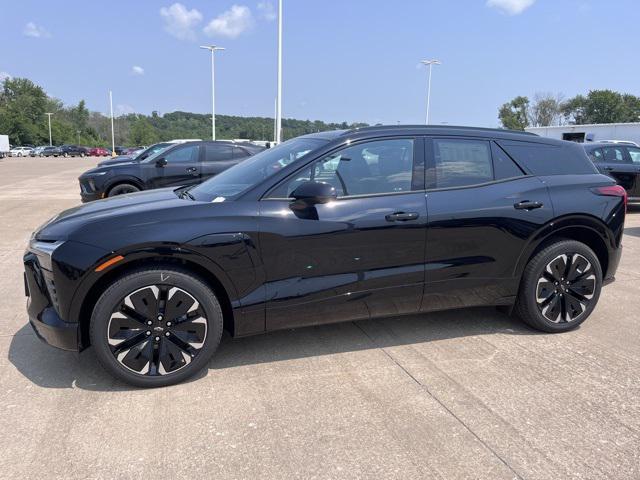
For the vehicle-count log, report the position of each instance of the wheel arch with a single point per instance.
(214, 280)
(585, 229)
(124, 179)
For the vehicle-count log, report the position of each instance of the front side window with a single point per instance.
(188, 154)
(595, 155)
(634, 153)
(378, 167)
(460, 162)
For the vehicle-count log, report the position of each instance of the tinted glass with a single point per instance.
(461, 162)
(614, 155)
(239, 153)
(503, 165)
(216, 153)
(383, 166)
(255, 169)
(634, 153)
(188, 154)
(545, 159)
(595, 155)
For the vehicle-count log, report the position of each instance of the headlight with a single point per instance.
(44, 251)
(95, 174)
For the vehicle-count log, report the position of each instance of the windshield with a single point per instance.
(250, 172)
(153, 149)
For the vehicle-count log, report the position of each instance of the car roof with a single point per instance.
(449, 130)
(606, 144)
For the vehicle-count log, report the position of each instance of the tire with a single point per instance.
(166, 351)
(82, 155)
(560, 287)
(121, 189)
(65, 155)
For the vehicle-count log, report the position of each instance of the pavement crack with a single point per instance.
(432, 395)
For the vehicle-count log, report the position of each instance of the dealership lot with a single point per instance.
(469, 393)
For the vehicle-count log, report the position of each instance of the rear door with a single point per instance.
(634, 156)
(613, 160)
(482, 209)
(217, 158)
(182, 167)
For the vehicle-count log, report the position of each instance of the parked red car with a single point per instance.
(99, 152)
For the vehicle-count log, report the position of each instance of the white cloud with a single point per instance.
(180, 22)
(511, 7)
(267, 11)
(231, 23)
(137, 70)
(35, 31)
(123, 109)
(4, 76)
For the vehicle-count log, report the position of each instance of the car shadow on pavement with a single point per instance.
(633, 231)
(49, 367)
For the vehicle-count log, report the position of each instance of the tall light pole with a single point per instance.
(213, 49)
(48, 114)
(279, 97)
(430, 64)
(113, 137)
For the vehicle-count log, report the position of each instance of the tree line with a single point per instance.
(23, 107)
(546, 109)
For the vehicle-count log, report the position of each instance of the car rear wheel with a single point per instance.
(560, 287)
(122, 188)
(156, 327)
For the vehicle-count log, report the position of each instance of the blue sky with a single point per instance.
(351, 60)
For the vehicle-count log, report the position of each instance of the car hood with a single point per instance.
(116, 160)
(142, 204)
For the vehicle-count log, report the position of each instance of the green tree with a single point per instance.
(22, 107)
(142, 132)
(604, 106)
(514, 115)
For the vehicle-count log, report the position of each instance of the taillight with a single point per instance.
(612, 191)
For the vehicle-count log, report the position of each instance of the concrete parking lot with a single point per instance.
(461, 394)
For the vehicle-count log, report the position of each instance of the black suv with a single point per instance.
(328, 227)
(619, 161)
(73, 151)
(176, 165)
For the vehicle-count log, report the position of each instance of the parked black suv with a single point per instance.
(73, 151)
(619, 161)
(328, 227)
(177, 165)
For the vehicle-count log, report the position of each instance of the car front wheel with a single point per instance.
(560, 287)
(156, 327)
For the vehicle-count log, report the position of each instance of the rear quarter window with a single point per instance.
(543, 159)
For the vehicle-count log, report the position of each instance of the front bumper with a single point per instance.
(90, 196)
(43, 317)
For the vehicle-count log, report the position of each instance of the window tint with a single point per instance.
(383, 166)
(503, 165)
(461, 162)
(545, 159)
(188, 154)
(217, 153)
(595, 155)
(239, 153)
(634, 153)
(614, 155)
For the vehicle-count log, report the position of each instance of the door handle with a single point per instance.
(608, 169)
(527, 205)
(401, 216)
(192, 169)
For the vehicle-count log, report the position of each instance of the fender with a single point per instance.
(124, 179)
(555, 227)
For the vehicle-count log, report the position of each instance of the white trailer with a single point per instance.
(4, 145)
(591, 133)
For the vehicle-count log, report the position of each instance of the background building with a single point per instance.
(591, 133)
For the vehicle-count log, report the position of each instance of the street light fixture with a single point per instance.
(212, 49)
(48, 114)
(430, 64)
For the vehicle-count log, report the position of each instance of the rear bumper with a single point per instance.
(43, 317)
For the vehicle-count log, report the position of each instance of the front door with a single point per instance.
(482, 211)
(359, 256)
(612, 160)
(182, 167)
(634, 155)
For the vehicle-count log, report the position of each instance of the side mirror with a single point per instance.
(161, 162)
(312, 193)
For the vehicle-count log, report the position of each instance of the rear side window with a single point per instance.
(239, 153)
(543, 159)
(634, 153)
(595, 155)
(217, 153)
(460, 162)
(503, 166)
